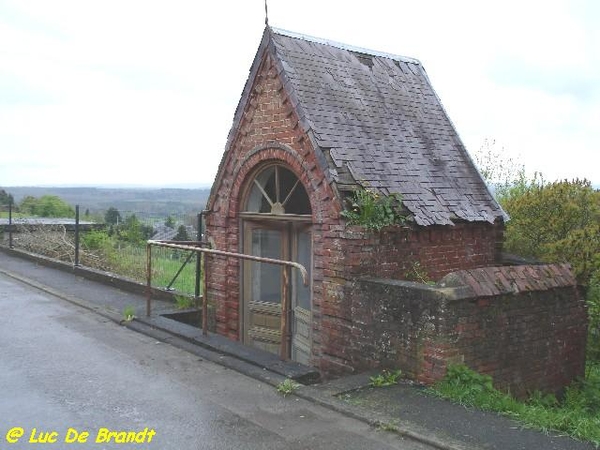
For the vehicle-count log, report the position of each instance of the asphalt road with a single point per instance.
(65, 371)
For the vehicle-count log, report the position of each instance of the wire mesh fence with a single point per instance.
(112, 242)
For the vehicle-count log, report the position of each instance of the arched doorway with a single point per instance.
(277, 221)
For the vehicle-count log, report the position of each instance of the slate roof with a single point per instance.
(375, 120)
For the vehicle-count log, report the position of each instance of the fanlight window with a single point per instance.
(276, 190)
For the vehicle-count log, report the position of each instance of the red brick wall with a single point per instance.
(436, 250)
(525, 326)
(354, 252)
(269, 131)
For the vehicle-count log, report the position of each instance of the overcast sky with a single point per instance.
(142, 92)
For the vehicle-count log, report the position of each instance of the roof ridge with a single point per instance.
(343, 46)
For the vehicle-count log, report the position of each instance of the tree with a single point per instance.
(170, 222)
(53, 206)
(182, 234)
(133, 231)
(27, 205)
(548, 218)
(6, 198)
(112, 216)
(499, 170)
(581, 248)
(593, 301)
(46, 206)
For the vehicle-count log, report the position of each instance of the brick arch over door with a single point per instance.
(312, 178)
(276, 222)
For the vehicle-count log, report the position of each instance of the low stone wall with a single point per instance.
(525, 326)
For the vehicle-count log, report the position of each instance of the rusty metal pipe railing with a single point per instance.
(196, 247)
(211, 251)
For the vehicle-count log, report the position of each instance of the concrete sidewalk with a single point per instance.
(404, 407)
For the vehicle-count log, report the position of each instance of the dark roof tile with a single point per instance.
(381, 119)
(381, 123)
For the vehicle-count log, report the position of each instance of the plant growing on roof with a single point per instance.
(372, 210)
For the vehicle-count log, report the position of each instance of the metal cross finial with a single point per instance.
(266, 14)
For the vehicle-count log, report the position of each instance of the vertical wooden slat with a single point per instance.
(285, 306)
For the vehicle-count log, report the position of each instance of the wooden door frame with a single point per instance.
(289, 226)
(246, 267)
(294, 307)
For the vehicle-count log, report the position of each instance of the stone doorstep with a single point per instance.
(225, 346)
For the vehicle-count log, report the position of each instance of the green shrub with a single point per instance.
(544, 214)
(46, 206)
(593, 303)
(95, 239)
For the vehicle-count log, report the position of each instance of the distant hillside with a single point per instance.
(160, 202)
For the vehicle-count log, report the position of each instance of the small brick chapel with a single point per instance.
(318, 120)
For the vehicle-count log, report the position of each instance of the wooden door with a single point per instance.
(301, 297)
(263, 288)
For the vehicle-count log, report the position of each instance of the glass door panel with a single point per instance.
(263, 288)
(301, 305)
(266, 278)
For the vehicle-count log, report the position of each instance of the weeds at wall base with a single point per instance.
(578, 415)
(287, 387)
(128, 313)
(385, 378)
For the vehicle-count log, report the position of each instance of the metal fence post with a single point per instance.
(148, 279)
(198, 258)
(204, 276)
(205, 297)
(76, 235)
(10, 239)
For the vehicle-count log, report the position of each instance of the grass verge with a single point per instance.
(130, 261)
(578, 415)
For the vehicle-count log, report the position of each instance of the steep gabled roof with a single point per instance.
(375, 120)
